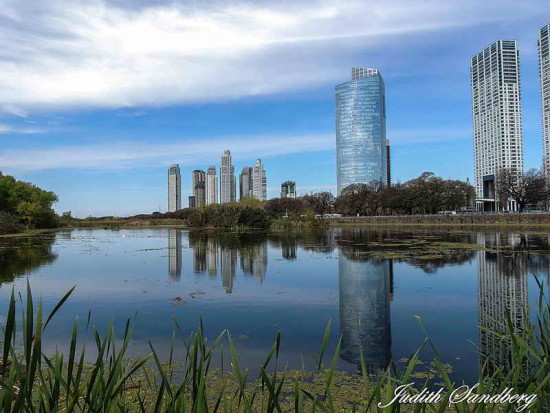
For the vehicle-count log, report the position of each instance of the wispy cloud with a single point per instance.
(136, 154)
(105, 54)
(19, 130)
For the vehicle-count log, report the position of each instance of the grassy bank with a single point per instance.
(31, 381)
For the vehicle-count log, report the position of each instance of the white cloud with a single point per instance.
(136, 154)
(19, 130)
(97, 54)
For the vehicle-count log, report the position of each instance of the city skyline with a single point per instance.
(118, 142)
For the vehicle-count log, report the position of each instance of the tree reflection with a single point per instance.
(22, 255)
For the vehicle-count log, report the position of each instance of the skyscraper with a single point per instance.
(199, 190)
(174, 188)
(192, 201)
(245, 183)
(288, 189)
(388, 161)
(544, 69)
(496, 102)
(227, 178)
(259, 181)
(361, 129)
(211, 186)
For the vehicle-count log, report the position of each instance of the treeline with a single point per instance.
(25, 206)
(427, 194)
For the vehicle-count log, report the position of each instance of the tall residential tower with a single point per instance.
(259, 181)
(211, 186)
(227, 178)
(199, 187)
(496, 102)
(361, 129)
(245, 183)
(544, 69)
(174, 188)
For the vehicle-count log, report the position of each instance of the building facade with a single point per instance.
(174, 188)
(496, 108)
(211, 186)
(288, 189)
(388, 162)
(227, 178)
(245, 183)
(259, 181)
(192, 201)
(361, 129)
(544, 70)
(199, 187)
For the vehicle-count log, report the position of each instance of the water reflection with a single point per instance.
(365, 321)
(502, 291)
(22, 255)
(175, 262)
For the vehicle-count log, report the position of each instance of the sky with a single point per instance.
(98, 98)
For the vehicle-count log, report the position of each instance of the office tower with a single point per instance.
(496, 104)
(227, 178)
(174, 253)
(174, 188)
(364, 304)
(388, 161)
(211, 186)
(288, 189)
(199, 187)
(544, 69)
(259, 181)
(192, 201)
(245, 183)
(361, 129)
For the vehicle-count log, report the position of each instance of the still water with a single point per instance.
(370, 283)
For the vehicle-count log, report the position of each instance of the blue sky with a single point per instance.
(97, 98)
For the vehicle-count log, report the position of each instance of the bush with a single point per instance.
(9, 223)
(228, 216)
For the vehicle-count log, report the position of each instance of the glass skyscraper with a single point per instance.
(361, 155)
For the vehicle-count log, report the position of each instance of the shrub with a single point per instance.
(9, 223)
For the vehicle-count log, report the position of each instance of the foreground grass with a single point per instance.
(31, 381)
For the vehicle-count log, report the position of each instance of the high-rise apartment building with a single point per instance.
(259, 181)
(211, 187)
(288, 189)
(361, 129)
(199, 187)
(227, 178)
(498, 137)
(192, 201)
(245, 183)
(174, 188)
(544, 69)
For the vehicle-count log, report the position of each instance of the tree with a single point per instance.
(524, 188)
(279, 207)
(321, 202)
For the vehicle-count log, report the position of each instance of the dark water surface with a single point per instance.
(369, 282)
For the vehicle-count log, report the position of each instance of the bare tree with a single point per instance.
(525, 188)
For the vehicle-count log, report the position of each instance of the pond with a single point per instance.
(370, 283)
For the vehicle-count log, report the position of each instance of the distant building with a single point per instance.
(288, 189)
(192, 201)
(496, 107)
(211, 187)
(199, 187)
(174, 188)
(259, 181)
(388, 161)
(361, 129)
(544, 70)
(227, 178)
(245, 183)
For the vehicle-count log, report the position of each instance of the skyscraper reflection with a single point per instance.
(502, 290)
(174, 253)
(365, 294)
